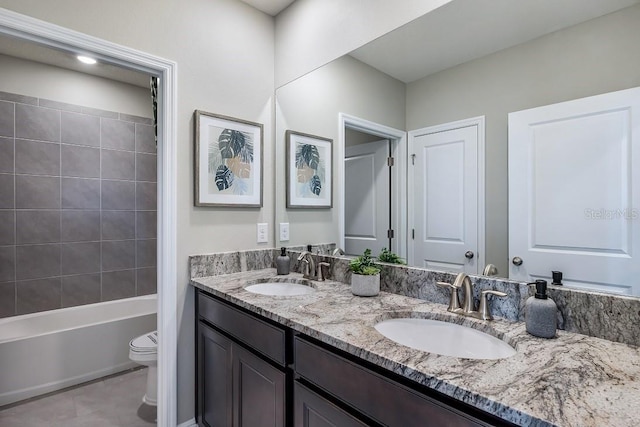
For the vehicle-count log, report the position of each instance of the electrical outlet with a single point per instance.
(263, 232)
(284, 231)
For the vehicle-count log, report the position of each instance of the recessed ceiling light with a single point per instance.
(86, 60)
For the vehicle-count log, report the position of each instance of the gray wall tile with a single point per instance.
(37, 261)
(118, 134)
(7, 263)
(59, 105)
(37, 192)
(118, 255)
(22, 99)
(80, 129)
(118, 225)
(38, 295)
(6, 155)
(37, 226)
(80, 289)
(118, 284)
(136, 119)
(37, 158)
(146, 281)
(145, 139)
(146, 224)
(37, 123)
(80, 161)
(146, 196)
(7, 299)
(100, 113)
(118, 195)
(80, 193)
(118, 164)
(6, 119)
(79, 226)
(146, 253)
(7, 191)
(146, 167)
(80, 258)
(7, 227)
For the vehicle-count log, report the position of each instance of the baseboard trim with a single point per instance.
(190, 423)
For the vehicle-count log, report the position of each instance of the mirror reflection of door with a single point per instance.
(367, 193)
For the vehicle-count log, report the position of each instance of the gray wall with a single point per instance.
(77, 205)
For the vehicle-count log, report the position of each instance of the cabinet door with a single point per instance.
(313, 410)
(258, 392)
(215, 358)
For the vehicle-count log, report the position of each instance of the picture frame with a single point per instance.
(228, 161)
(309, 171)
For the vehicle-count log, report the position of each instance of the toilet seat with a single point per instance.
(144, 347)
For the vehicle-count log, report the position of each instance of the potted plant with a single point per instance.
(365, 277)
(390, 257)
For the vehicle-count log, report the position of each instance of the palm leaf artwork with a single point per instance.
(307, 155)
(224, 178)
(315, 185)
(232, 150)
(215, 157)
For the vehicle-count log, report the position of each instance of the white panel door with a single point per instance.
(445, 207)
(574, 192)
(367, 197)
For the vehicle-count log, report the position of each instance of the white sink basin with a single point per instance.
(447, 339)
(279, 289)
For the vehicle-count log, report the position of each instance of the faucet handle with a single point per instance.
(483, 310)
(321, 274)
(454, 301)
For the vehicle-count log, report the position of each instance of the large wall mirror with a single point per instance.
(466, 65)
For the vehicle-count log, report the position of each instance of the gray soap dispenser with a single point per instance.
(540, 313)
(283, 262)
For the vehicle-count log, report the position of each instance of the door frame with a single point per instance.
(398, 140)
(479, 122)
(54, 36)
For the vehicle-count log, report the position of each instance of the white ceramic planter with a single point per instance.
(365, 285)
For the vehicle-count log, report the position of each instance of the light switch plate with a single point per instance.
(284, 231)
(263, 232)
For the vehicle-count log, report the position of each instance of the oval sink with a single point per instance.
(444, 338)
(279, 289)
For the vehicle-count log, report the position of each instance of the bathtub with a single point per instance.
(51, 350)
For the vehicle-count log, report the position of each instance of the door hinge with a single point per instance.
(389, 234)
(390, 161)
(413, 159)
(413, 233)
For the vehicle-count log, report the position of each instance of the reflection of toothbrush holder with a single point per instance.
(557, 278)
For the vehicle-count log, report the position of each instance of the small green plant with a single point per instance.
(364, 264)
(390, 257)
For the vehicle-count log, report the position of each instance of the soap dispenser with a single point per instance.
(283, 262)
(541, 312)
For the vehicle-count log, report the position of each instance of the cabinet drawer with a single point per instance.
(379, 398)
(312, 410)
(255, 333)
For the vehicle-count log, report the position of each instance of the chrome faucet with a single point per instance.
(309, 270)
(468, 306)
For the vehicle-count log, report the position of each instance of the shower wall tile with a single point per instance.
(7, 227)
(146, 281)
(118, 225)
(145, 139)
(37, 261)
(14, 97)
(80, 129)
(136, 119)
(37, 192)
(37, 158)
(63, 106)
(7, 299)
(37, 226)
(100, 113)
(7, 263)
(38, 295)
(118, 165)
(118, 135)
(6, 118)
(118, 255)
(81, 289)
(118, 284)
(78, 161)
(146, 196)
(80, 193)
(7, 191)
(146, 167)
(79, 226)
(6, 155)
(118, 195)
(146, 253)
(79, 258)
(146, 224)
(37, 123)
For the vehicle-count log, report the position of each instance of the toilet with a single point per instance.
(144, 351)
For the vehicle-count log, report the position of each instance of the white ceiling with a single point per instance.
(464, 30)
(271, 7)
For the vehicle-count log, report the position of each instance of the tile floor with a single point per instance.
(114, 401)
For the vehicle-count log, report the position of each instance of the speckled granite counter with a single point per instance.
(572, 380)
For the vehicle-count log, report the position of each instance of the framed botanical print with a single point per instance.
(228, 161)
(309, 171)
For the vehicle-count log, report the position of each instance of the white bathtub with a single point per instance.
(48, 351)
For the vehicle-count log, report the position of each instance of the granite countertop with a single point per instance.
(571, 380)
